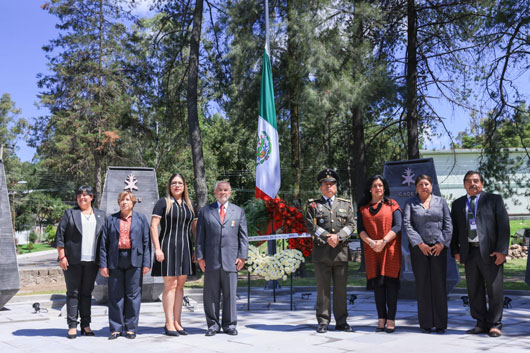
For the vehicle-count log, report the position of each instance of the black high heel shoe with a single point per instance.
(171, 332)
(87, 333)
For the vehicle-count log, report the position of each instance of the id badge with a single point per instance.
(472, 224)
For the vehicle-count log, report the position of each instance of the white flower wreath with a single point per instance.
(273, 267)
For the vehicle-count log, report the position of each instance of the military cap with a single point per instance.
(328, 175)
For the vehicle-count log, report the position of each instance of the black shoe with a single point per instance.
(440, 330)
(379, 329)
(426, 330)
(344, 328)
(211, 332)
(182, 332)
(84, 332)
(322, 328)
(231, 332)
(171, 332)
(71, 336)
(114, 335)
(390, 330)
(476, 330)
(130, 335)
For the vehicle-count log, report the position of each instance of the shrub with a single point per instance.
(50, 233)
(32, 237)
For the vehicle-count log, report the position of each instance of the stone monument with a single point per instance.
(9, 278)
(401, 177)
(142, 182)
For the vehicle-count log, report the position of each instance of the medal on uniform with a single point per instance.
(321, 220)
(233, 223)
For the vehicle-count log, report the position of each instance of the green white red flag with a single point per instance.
(268, 179)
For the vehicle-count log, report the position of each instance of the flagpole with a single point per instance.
(267, 39)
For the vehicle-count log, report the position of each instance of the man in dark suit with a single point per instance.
(330, 220)
(481, 234)
(222, 249)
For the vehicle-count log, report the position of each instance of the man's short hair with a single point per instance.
(222, 182)
(471, 172)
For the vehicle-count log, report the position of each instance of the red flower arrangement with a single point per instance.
(290, 220)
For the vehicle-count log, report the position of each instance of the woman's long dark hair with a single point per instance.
(367, 195)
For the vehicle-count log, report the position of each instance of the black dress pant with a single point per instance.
(125, 294)
(430, 273)
(79, 279)
(386, 296)
(482, 277)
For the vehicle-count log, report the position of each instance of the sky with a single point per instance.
(25, 28)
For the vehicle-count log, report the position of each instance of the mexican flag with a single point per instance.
(268, 178)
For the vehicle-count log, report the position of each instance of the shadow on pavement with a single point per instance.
(47, 332)
(282, 328)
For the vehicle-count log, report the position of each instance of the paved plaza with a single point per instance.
(268, 327)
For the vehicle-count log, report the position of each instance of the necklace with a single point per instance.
(373, 210)
(89, 215)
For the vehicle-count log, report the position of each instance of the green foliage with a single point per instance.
(86, 92)
(497, 139)
(256, 214)
(50, 233)
(32, 237)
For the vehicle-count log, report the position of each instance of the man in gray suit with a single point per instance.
(222, 249)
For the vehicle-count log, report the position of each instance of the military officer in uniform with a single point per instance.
(330, 221)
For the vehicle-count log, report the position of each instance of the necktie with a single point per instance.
(222, 213)
(472, 233)
(330, 203)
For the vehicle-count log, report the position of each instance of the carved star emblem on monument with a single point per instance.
(408, 176)
(131, 183)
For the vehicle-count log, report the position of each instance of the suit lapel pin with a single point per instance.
(233, 223)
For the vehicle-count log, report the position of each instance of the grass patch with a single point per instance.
(514, 274)
(355, 278)
(23, 249)
(516, 224)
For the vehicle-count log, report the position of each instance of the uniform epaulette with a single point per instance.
(345, 200)
(311, 200)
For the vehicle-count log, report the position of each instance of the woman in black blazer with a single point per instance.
(125, 256)
(77, 241)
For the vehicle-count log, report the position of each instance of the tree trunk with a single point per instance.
(201, 190)
(293, 93)
(413, 151)
(98, 178)
(358, 153)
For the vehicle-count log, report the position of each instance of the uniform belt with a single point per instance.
(474, 244)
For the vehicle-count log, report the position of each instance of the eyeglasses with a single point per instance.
(175, 183)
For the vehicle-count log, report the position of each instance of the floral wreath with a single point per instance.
(289, 219)
(277, 266)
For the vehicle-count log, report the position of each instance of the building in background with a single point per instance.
(452, 165)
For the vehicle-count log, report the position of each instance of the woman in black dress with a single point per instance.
(173, 248)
